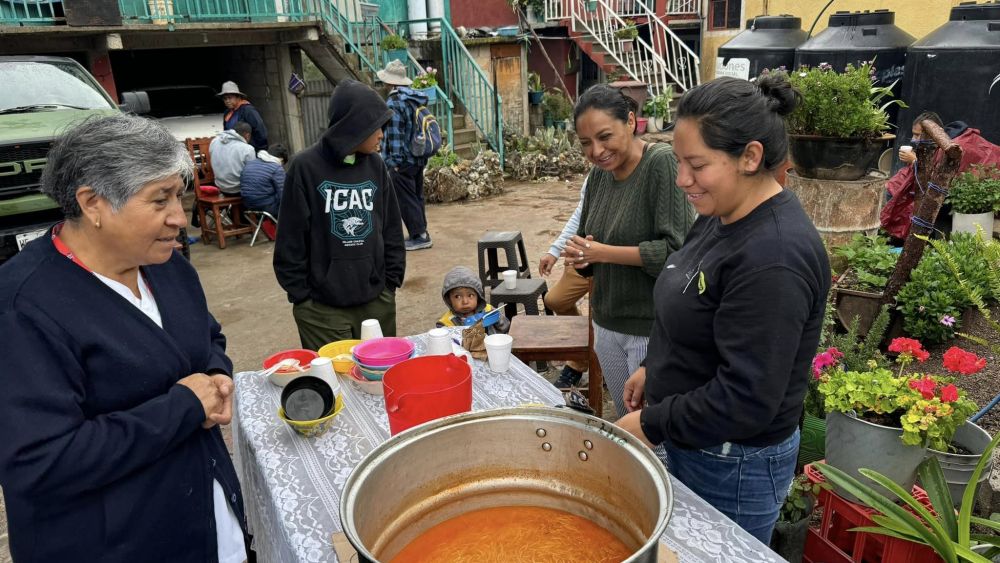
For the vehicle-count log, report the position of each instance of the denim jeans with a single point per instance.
(747, 484)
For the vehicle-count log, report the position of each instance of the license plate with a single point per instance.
(25, 238)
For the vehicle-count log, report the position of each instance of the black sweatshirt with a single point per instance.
(739, 310)
(340, 236)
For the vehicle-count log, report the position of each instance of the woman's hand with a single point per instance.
(635, 387)
(225, 386)
(908, 157)
(630, 423)
(546, 263)
(207, 390)
(581, 252)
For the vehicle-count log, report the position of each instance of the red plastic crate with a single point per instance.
(833, 542)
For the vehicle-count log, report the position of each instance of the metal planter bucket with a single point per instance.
(852, 444)
(531, 456)
(958, 468)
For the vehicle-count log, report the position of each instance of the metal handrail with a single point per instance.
(684, 7)
(683, 63)
(466, 81)
(653, 61)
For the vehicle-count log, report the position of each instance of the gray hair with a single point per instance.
(116, 156)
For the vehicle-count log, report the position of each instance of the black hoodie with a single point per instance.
(340, 240)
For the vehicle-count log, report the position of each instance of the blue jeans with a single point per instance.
(746, 483)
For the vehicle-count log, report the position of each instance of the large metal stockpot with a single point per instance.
(534, 456)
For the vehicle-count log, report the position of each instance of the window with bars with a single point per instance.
(724, 14)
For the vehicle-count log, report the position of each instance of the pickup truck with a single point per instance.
(40, 98)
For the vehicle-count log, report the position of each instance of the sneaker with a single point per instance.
(419, 242)
(192, 240)
(568, 378)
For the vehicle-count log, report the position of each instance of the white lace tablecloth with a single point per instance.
(292, 484)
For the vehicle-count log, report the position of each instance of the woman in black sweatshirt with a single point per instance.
(738, 309)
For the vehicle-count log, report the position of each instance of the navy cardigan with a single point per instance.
(102, 455)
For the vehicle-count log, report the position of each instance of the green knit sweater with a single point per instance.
(647, 210)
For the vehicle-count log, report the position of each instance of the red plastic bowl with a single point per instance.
(383, 351)
(302, 355)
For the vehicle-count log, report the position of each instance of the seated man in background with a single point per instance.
(902, 187)
(230, 151)
(263, 180)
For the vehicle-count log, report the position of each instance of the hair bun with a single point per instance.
(782, 98)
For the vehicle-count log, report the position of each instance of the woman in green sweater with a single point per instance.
(633, 217)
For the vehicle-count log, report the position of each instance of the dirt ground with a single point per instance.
(257, 318)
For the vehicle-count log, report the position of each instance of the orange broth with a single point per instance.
(514, 534)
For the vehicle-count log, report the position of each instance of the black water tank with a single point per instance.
(767, 42)
(955, 71)
(857, 37)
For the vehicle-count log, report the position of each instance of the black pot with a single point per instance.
(836, 158)
(789, 539)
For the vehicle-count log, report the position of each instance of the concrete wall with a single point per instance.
(482, 13)
(560, 51)
(916, 17)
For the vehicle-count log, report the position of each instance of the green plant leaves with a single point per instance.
(839, 104)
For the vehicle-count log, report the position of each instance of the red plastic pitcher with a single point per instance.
(422, 389)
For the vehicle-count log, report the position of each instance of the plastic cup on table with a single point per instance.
(498, 350)
(438, 342)
(323, 369)
(509, 279)
(370, 328)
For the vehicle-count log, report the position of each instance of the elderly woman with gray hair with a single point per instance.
(115, 377)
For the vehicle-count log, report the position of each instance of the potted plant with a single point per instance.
(839, 129)
(933, 301)
(657, 109)
(951, 536)
(535, 88)
(395, 48)
(885, 421)
(626, 35)
(850, 351)
(975, 197)
(857, 292)
(557, 109)
(426, 83)
(789, 536)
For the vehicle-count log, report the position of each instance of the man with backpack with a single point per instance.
(411, 137)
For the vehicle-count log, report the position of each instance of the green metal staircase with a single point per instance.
(462, 86)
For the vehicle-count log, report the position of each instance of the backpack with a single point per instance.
(426, 139)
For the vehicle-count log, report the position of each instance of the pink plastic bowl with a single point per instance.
(303, 356)
(383, 351)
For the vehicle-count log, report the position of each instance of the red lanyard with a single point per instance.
(65, 251)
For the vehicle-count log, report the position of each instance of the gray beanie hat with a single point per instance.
(460, 276)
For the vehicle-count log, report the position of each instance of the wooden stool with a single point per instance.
(527, 293)
(512, 244)
(544, 338)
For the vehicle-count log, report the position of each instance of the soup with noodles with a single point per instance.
(515, 534)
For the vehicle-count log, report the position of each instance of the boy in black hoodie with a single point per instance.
(339, 252)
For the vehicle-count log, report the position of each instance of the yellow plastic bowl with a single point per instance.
(312, 428)
(340, 353)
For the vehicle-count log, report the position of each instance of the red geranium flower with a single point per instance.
(909, 347)
(949, 393)
(925, 385)
(960, 361)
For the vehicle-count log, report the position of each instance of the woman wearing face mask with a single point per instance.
(739, 308)
(633, 218)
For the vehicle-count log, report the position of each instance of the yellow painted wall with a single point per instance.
(916, 17)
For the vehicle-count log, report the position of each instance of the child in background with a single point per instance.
(463, 294)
